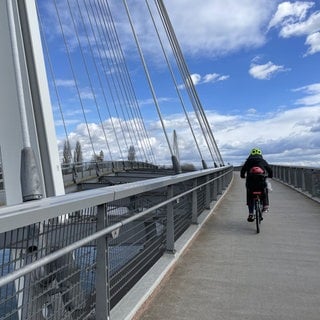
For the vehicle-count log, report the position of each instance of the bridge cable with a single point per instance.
(114, 76)
(148, 76)
(105, 72)
(120, 86)
(106, 39)
(188, 81)
(114, 45)
(134, 107)
(183, 70)
(74, 75)
(87, 70)
(174, 79)
(109, 74)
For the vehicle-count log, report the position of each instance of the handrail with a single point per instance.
(30, 212)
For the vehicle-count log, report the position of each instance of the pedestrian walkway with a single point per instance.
(231, 273)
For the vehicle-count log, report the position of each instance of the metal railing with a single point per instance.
(304, 179)
(2, 192)
(76, 172)
(76, 256)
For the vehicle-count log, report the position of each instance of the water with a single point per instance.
(84, 257)
(7, 293)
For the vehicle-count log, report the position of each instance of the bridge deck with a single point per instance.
(230, 272)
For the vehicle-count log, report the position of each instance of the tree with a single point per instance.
(67, 155)
(77, 155)
(131, 154)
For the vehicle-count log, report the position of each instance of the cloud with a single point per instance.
(197, 79)
(312, 95)
(265, 71)
(289, 13)
(201, 31)
(204, 28)
(313, 40)
(67, 83)
(151, 101)
(292, 19)
(290, 136)
(214, 77)
(283, 137)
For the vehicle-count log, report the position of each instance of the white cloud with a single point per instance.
(65, 83)
(313, 41)
(151, 101)
(303, 28)
(204, 28)
(197, 79)
(265, 71)
(283, 137)
(289, 13)
(289, 136)
(214, 77)
(312, 95)
(292, 19)
(238, 24)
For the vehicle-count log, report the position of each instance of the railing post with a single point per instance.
(195, 203)
(295, 177)
(314, 183)
(215, 187)
(223, 180)
(102, 270)
(170, 222)
(303, 178)
(207, 196)
(219, 184)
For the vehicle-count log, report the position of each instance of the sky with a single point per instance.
(254, 64)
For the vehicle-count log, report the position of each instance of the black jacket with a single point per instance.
(255, 161)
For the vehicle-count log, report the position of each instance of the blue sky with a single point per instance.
(254, 63)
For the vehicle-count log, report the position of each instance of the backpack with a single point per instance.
(256, 179)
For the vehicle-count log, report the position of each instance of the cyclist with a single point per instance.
(256, 167)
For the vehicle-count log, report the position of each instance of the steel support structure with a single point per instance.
(30, 67)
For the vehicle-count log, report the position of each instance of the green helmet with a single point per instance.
(256, 151)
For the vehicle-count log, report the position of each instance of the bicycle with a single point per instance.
(257, 207)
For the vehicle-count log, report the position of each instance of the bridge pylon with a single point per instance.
(26, 112)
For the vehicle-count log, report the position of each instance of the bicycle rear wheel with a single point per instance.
(257, 209)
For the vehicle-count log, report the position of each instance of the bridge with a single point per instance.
(195, 242)
(104, 252)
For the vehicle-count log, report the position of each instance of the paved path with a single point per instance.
(232, 273)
